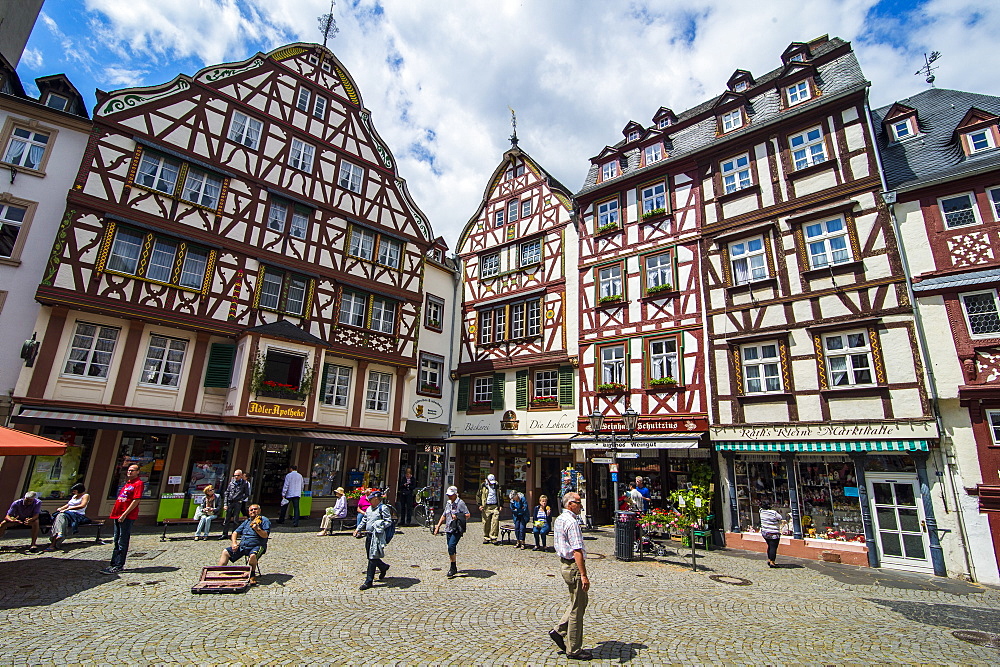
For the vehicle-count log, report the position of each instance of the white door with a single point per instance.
(900, 524)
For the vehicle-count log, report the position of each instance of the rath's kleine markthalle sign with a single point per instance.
(914, 430)
(255, 409)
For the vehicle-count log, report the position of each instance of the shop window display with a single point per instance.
(209, 464)
(149, 452)
(370, 464)
(829, 501)
(476, 464)
(756, 481)
(52, 476)
(327, 464)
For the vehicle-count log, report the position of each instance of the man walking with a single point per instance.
(377, 519)
(404, 496)
(236, 498)
(124, 513)
(291, 491)
(572, 553)
(489, 507)
(454, 519)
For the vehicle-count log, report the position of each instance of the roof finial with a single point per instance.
(327, 24)
(927, 70)
(513, 124)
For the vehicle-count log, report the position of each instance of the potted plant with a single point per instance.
(261, 385)
(430, 388)
(610, 298)
(607, 227)
(656, 212)
(665, 287)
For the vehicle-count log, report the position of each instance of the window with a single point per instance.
(530, 253)
(732, 120)
(654, 199)
(798, 57)
(807, 148)
(319, 106)
(607, 213)
(981, 312)
(52, 476)
(302, 101)
(91, 350)
(486, 327)
(514, 171)
(610, 281)
(848, 358)
(362, 243)
(761, 368)
(546, 385)
(658, 272)
(148, 451)
(489, 265)
(493, 325)
(282, 291)
(736, 173)
(498, 219)
(353, 309)
(993, 422)
(164, 361)
(664, 122)
(980, 140)
(525, 321)
(202, 188)
(525, 208)
(283, 374)
(26, 148)
(337, 382)
(512, 208)
(609, 170)
(797, 92)
(482, 391)
(158, 172)
(54, 101)
(11, 218)
(633, 135)
(165, 258)
(430, 374)
(383, 315)
(740, 86)
(296, 218)
(245, 130)
(748, 259)
(301, 156)
(663, 359)
(533, 315)
(995, 202)
(434, 313)
(959, 210)
(828, 243)
(653, 153)
(389, 252)
(901, 129)
(350, 177)
(613, 364)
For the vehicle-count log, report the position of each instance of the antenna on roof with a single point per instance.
(513, 124)
(927, 70)
(327, 24)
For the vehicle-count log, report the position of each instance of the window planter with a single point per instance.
(433, 324)
(662, 384)
(286, 394)
(611, 388)
(610, 299)
(655, 213)
(262, 386)
(650, 291)
(606, 229)
(545, 402)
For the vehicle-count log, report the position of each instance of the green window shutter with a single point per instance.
(326, 377)
(498, 380)
(566, 393)
(522, 390)
(463, 394)
(220, 365)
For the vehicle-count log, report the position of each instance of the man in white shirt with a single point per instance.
(291, 491)
(569, 545)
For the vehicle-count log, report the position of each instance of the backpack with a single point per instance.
(390, 528)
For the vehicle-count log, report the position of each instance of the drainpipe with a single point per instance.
(889, 197)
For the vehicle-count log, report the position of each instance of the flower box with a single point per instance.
(430, 389)
(656, 289)
(662, 382)
(611, 388)
(545, 402)
(655, 213)
(611, 298)
(604, 229)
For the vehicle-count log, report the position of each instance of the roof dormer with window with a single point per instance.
(633, 132)
(740, 81)
(796, 52)
(978, 131)
(901, 123)
(664, 118)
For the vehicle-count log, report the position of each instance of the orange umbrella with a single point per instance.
(19, 443)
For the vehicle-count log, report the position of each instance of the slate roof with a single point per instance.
(838, 76)
(958, 280)
(936, 153)
(288, 331)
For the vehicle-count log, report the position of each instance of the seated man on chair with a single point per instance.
(252, 535)
(24, 512)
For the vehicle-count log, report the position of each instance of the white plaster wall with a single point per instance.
(943, 353)
(913, 237)
(807, 185)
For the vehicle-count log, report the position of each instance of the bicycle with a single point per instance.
(423, 512)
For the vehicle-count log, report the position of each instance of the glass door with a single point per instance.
(900, 522)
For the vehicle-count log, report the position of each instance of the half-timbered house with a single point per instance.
(941, 160)
(641, 329)
(235, 283)
(515, 406)
(819, 398)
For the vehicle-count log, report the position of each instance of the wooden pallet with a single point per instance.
(224, 579)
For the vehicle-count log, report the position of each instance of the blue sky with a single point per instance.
(439, 75)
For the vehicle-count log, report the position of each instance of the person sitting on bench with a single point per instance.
(24, 512)
(252, 535)
(69, 516)
(336, 513)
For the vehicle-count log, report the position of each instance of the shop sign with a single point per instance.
(276, 410)
(852, 430)
(648, 425)
(601, 459)
(627, 455)
(174, 479)
(426, 408)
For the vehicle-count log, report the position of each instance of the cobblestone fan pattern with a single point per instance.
(56, 609)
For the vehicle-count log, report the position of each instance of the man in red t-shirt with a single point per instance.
(124, 514)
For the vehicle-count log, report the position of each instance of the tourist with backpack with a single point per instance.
(381, 527)
(454, 518)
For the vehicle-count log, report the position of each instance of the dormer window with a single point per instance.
(652, 153)
(57, 102)
(732, 120)
(740, 86)
(609, 170)
(664, 122)
(633, 135)
(901, 129)
(980, 140)
(797, 57)
(797, 92)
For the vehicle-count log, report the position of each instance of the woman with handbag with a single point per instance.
(454, 518)
(770, 530)
(207, 510)
(541, 516)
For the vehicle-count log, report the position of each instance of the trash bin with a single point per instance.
(625, 534)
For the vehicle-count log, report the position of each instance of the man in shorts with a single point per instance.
(252, 535)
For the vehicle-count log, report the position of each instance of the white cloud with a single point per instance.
(439, 76)
(32, 59)
(121, 77)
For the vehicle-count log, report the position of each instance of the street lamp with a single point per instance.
(630, 419)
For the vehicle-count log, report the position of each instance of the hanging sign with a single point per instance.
(627, 455)
(601, 459)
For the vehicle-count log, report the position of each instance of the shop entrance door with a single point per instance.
(551, 479)
(270, 465)
(900, 522)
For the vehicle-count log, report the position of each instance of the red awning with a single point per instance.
(19, 443)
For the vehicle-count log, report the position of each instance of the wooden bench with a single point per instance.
(97, 524)
(175, 522)
(506, 530)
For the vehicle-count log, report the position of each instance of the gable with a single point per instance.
(975, 118)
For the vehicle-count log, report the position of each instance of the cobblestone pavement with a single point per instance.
(56, 609)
